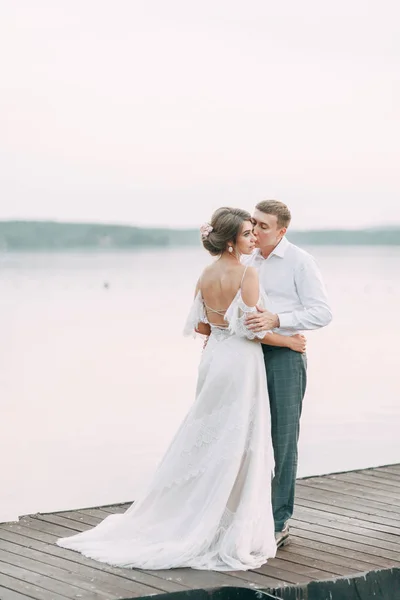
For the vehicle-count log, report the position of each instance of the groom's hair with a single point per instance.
(280, 210)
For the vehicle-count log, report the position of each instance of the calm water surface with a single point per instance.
(94, 380)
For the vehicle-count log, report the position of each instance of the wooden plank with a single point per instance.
(91, 520)
(253, 579)
(193, 579)
(380, 482)
(307, 492)
(26, 537)
(353, 492)
(184, 578)
(283, 575)
(93, 512)
(118, 508)
(332, 545)
(359, 480)
(375, 520)
(377, 478)
(55, 530)
(95, 575)
(378, 549)
(330, 563)
(313, 545)
(375, 545)
(74, 515)
(34, 528)
(48, 583)
(395, 469)
(63, 577)
(25, 590)
(335, 484)
(346, 541)
(310, 571)
(384, 471)
(7, 594)
(116, 511)
(74, 526)
(359, 526)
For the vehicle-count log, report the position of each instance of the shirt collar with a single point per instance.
(279, 249)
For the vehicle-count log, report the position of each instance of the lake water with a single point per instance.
(95, 380)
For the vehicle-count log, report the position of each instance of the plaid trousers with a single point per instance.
(287, 379)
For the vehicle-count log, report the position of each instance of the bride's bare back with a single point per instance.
(219, 285)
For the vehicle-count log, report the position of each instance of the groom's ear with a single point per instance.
(283, 231)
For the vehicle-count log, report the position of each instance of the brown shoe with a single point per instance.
(282, 537)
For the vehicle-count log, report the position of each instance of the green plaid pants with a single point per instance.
(287, 379)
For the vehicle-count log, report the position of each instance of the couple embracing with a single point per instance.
(223, 494)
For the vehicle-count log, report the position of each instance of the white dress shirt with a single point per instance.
(293, 284)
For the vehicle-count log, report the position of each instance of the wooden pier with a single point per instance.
(344, 524)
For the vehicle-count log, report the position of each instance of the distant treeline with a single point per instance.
(48, 235)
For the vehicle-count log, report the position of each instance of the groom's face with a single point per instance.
(266, 229)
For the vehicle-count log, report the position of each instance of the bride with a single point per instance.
(209, 503)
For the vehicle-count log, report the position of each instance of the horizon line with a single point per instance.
(188, 227)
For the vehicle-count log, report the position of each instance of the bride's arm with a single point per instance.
(202, 328)
(294, 342)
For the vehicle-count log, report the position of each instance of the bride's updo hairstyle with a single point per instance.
(226, 224)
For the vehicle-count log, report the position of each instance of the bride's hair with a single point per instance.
(226, 224)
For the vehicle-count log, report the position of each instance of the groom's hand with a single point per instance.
(262, 320)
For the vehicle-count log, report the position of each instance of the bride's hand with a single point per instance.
(297, 342)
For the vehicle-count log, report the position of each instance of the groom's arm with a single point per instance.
(315, 311)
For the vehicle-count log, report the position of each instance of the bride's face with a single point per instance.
(246, 240)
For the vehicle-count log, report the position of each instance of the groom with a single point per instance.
(299, 302)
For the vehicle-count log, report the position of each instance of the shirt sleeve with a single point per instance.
(315, 311)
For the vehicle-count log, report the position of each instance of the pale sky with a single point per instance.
(156, 112)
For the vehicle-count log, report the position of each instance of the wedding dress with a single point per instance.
(209, 503)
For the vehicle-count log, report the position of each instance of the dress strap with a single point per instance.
(244, 273)
(221, 312)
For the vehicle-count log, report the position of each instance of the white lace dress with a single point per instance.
(209, 503)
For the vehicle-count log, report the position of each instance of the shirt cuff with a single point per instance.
(286, 319)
